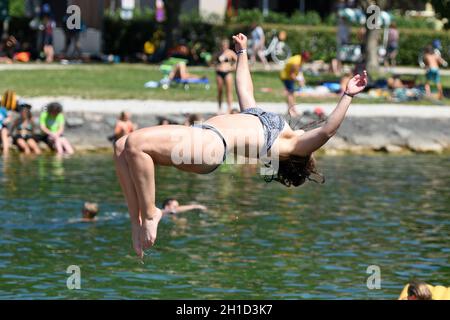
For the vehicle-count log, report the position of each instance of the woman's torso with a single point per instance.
(24, 128)
(244, 134)
(225, 61)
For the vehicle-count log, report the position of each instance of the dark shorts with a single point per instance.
(392, 48)
(433, 75)
(222, 74)
(24, 137)
(48, 40)
(289, 85)
(272, 123)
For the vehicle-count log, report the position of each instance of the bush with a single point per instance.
(126, 38)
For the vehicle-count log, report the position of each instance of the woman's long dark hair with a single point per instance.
(295, 170)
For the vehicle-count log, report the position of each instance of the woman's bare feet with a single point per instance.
(149, 230)
(135, 231)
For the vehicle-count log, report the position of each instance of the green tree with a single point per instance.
(442, 8)
(172, 23)
(17, 8)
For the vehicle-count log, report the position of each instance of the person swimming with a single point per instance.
(253, 133)
(171, 206)
(89, 212)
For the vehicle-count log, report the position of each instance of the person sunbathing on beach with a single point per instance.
(203, 147)
(180, 72)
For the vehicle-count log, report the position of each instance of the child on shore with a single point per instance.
(433, 61)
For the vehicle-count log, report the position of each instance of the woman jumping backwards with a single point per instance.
(201, 148)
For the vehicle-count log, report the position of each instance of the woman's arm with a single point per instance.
(190, 207)
(314, 139)
(14, 126)
(244, 83)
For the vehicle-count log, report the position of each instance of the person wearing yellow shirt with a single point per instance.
(291, 74)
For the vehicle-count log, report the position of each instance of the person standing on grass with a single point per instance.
(259, 45)
(225, 64)
(52, 125)
(48, 27)
(392, 46)
(290, 75)
(432, 62)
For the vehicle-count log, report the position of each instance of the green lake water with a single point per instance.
(257, 240)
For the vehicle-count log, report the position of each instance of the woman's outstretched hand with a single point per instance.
(240, 41)
(357, 84)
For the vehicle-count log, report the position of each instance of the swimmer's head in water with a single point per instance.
(170, 205)
(294, 171)
(90, 211)
(418, 290)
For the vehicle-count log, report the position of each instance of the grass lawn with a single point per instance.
(126, 81)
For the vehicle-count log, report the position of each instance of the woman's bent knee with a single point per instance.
(132, 145)
(119, 146)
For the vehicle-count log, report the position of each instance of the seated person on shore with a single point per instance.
(23, 131)
(89, 212)
(180, 72)
(172, 206)
(124, 126)
(52, 126)
(5, 118)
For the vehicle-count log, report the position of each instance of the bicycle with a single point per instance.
(278, 50)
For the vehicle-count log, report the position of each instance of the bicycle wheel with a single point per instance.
(281, 53)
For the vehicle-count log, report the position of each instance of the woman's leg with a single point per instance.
(142, 172)
(66, 146)
(23, 146)
(219, 91)
(5, 140)
(57, 145)
(161, 145)
(229, 91)
(129, 191)
(34, 146)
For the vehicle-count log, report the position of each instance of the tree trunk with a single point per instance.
(371, 49)
(372, 37)
(172, 24)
